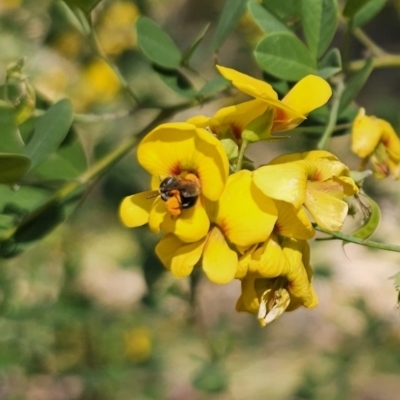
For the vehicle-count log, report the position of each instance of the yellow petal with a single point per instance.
(390, 140)
(325, 205)
(293, 222)
(190, 226)
(247, 84)
(366, 134)
(285, 182)
(249, 297)
(233, 118)
(219, 261)
(179, 256)
(244, 262)
(178, 147)
(308, 94)
(134, 210)
(245, 214)
(308, 155)
(268, 260)
(299, 282)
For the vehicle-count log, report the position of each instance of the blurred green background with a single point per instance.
(89, 313)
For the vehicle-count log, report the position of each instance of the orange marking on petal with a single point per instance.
(176, 169)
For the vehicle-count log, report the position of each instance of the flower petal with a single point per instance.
(231, 119)
(268, 260)
(325, 205)
(247, 84)
(245, 214)
(308, 94)
(285, 182)
(366, 134)
(219, 261)
(249, 298)
(190, 226)
(308, 155)
(293, 222)
(299, 282)
(179, 256)
(134, 210)
(174, 148)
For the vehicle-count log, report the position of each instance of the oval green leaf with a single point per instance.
(266, 20)
(319, 20)
(284, 56)
(156, 44)
(353, 6)
(13, 167)
(331, 64)
(216, 85)
(193, 46)
(285, 10)
(230, 16)
(176, 81)
(50, 131)
(367, 12)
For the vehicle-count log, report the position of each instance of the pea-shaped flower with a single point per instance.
(188, 167)
(374, 139)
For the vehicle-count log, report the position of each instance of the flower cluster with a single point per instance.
(374, 139)
(252, 225)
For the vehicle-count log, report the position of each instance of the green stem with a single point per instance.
(99, 51)
(387, 61)
(318, 129)
(241, 155)
(323, 143)
(368, 43)
(362, 242)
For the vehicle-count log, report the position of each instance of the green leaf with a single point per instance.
(216, 85)
(319, 20)
(176, 81)
(13, 167)
(84, 5)
(284, 56)
(366, 13)
(192, 48)
(50, 131)
(353, 6)
(285, 10)
(68, 162)
(39, 224)
(156, 44)
(331, 64)
(10, 139)
(355, 84)
(265, 20)
(230, 16)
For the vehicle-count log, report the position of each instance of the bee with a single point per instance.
(179, 193)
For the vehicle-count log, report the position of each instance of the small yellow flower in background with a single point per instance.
(278, 279)
(242, 217)
(97, 84)
(188, 167)
(308, 94)
(138, 344)
(115, 27)
(374, 139)
(317, 180)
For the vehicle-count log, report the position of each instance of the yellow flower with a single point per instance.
(316, 179)
(375, 139)
(308, 94)
(138, 344)
(278, 279)
(242, 217)
(114, 27)
(188, 167)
